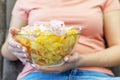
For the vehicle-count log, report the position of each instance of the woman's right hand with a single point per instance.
(16, 48)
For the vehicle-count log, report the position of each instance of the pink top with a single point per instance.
(87, 14)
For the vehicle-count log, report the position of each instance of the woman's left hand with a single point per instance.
(71, 62)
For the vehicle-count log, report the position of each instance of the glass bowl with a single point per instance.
(48, 50)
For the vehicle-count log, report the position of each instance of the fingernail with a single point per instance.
(80, 28)
(33, 65)
(23, 50)
(66, 59)
(25, 55)
(18, 46)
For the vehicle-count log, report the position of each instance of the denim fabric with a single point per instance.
(90, 75)
(44, 76)
(70, 75)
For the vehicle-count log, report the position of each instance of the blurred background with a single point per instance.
(9, 70)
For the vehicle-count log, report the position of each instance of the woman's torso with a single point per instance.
(87, 14)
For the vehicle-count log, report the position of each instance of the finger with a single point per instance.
(23, 60)
(17, 45)
(16, 50)
(21, 55)
(22, 49)
(14, 44)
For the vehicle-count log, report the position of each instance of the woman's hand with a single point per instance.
(71, 62)
(16, 48)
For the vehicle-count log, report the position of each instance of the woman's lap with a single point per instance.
(70, 75)
(44, 76)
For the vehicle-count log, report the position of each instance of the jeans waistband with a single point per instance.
(78, 72)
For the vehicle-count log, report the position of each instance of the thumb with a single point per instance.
(66, 58)
(71, 58)
(13, 31)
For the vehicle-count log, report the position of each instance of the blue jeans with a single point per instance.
(70, 75)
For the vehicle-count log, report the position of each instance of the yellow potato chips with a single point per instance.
(48, 49)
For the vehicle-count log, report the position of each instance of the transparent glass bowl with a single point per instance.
(48, 50)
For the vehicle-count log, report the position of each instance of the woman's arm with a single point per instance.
(110, 56)
(17, 23)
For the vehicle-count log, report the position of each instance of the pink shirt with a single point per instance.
(87, 14)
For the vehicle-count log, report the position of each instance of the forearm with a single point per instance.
(105, 58)
(111, 56)
(16, 23)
